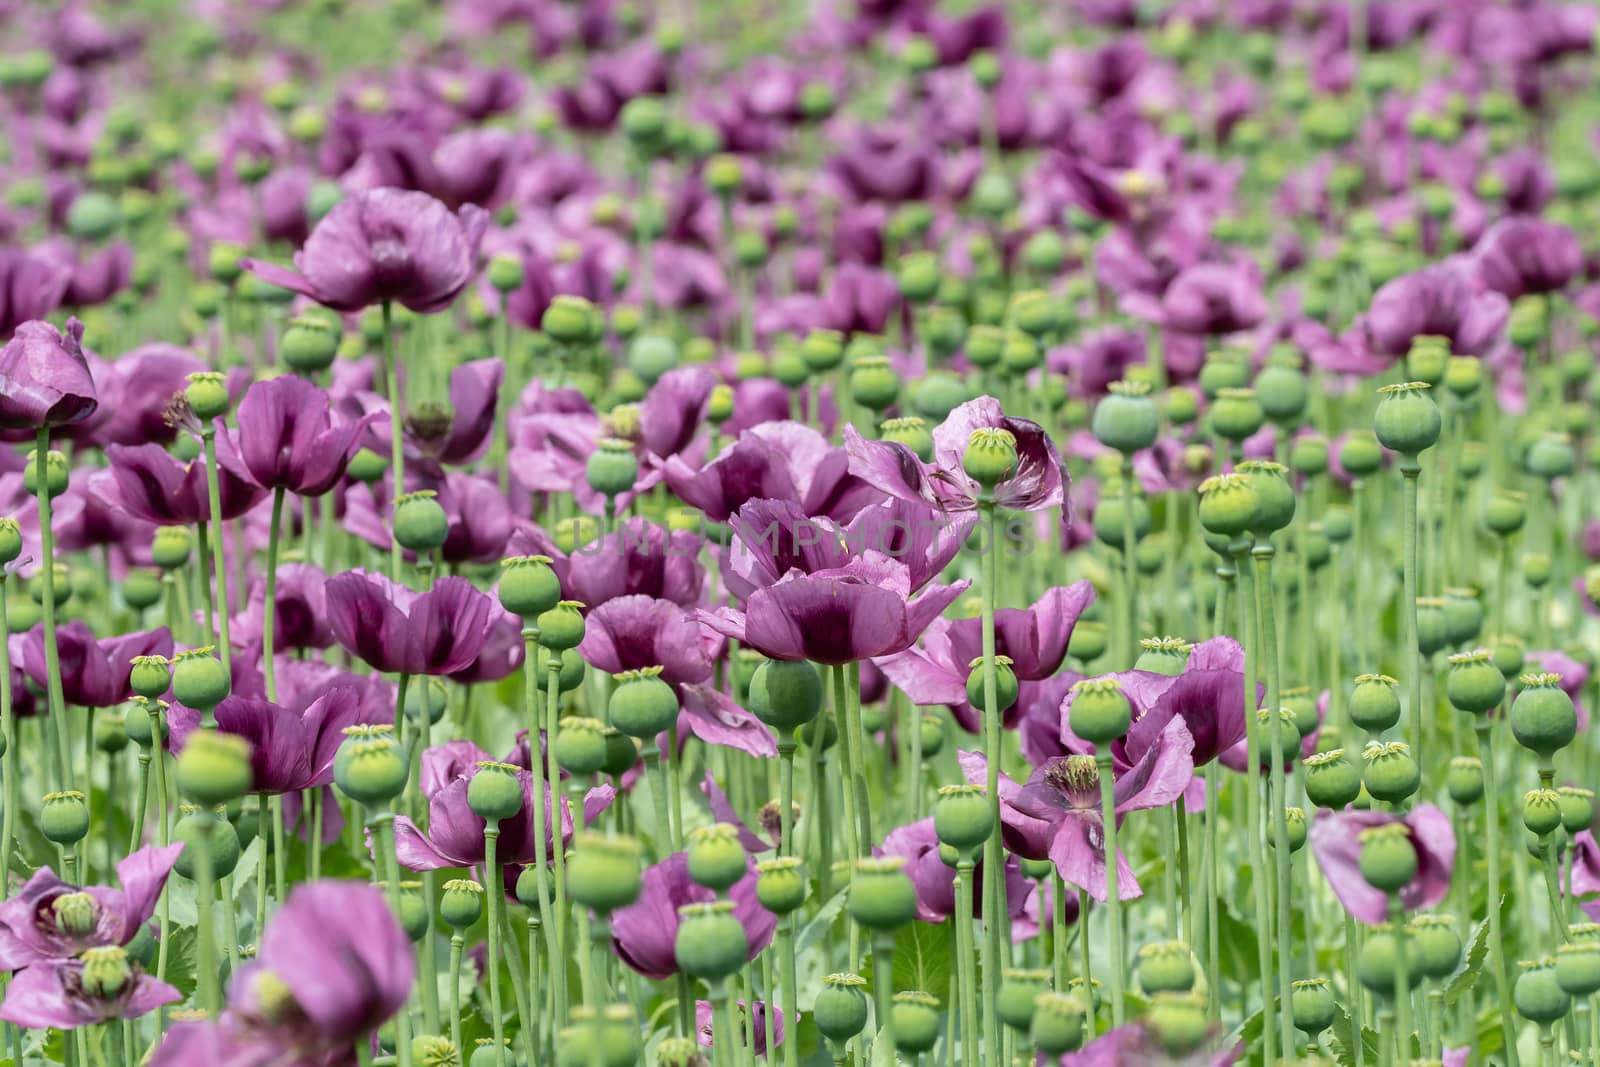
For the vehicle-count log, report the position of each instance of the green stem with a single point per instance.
(1410, 656)
(1108, 815)
(994, 850)
(13, 783)
(1267, 625)
(791, 988)
(206, 948)
(262, 816)
(1252, 781)
(1353, 988)
(883, 986)
(556, 920)
(219, 557)
(965, 951)
(382, 825)
(1402, 981)
(455, 989)
(269, 627)
(397, 454)
(1208, 878)
(847, 743)
(1484, 727)
(494, 891)
(1130, 569)
(55, 704)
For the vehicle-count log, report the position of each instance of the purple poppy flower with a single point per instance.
(153, 485)
(287, 437)
(381, 246)
(839, 615)
(673, 411)
(1038, 481)
(935, 880)
(633, 632)
(1522, 256)
(1208, 696)
(289, 750)
(704, 1024)
(643, 933)
(1056, 813)
(32, 285)
(44, 377)
(1209, 299)
(137, 389)
(503, 652)
(859, 299)
(639, 558)
(94, 674)
(1437, 301)
(1586, 873)
(96, 279)
(300, 618)
(1336, 842)
(334, 965)
(52, 994)
(33, 921)
(1139, 1043)
(778, 461)
(461, 436)
(397, 630)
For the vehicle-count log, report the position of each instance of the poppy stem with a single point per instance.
(208, 437)
(1353, 985)
(455, 989)
(13, 783)
(55, 705)
(967, 965)
(541, 814)
(556, 921)
(494, 889)
(269, 606)
(1278, 782)
(1252, 777)
(1491, 811)
(382, 826)
(1402, 979)
(791, 989)
(1411, 656)
(1108, 815)
(1130, 570)
(397, 455)
(994, 855)
(206, 948)
(261, 867)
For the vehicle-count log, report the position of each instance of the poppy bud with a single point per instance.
(1388, 859)
(840, 1011)
(781, 884)
(198, 829)
(64, 817)
(461, 904)
(494, 794)
(711, 942)
(1058, 1020)
(1166, 967)
(990, 456)
(915, 1020)
(150, 676)
(881, 897)
(1436, 944)
(1099, 712)
(1538, 993)
(642, 705)
(214, 768)
(199, 680)
(1236, 414)
(963, 817)
(1543, 719)
(1374, 703)
(562, 627)
(1127, 419)
(1578, 967)
(370, 767)
(1332, 781)
(716, 857)
(603, 872)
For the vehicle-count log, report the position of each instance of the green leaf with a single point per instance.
(923, 954)
(181, 959)
(1238, 946)
(820, 923)
(1342, 1040)
(1462, 979)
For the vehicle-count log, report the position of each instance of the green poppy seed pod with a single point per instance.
(1375, 703)
(62, 590)
(1473, 683)
(527, 888)
(716, 857)
(1019, 990)
(412, 911)
(529, 586)
(719, 405)
(1538, 993)
(1288, 736)
(781, 884)
(1577, 808)
(881, 897)
(915, 1019)
(494, 793)
(106, 971)
(1223, 370)
(1407, 420)
(1360, 455)
(218, 834)
(724, 174)
(140, 719)
(1463, 615)
(310, 344)
(570, 320)
(434, 1050)
(1127, 419)
(1036, 313)
(822, 350)
(214, 768)
(1378, 964)
(487, 1052)
(1180, 1021)
(11, 540)
(1433, 632)
(1543, 718)
(367, 466)
(1550, 457)
(570, 671)
(990, 456)
(1108, 522)
(873, 383)
(57, 473)
(918, 275)
(1529, 323)
(141, 589)
(1541, 811)
(150, 676)
(1312, 1004)
(642, 705)
(370, 767)
(1166, 967)
(1303, 708)
(1163, 655)
(1436, 944)
(1180, 407)
(1509, 655)
(1274, 494)
(1089, 641)
(207, 395)
(580, 745)
(605, 871)
(1308, 455)
(1389, 772)
(199, 680)
(1044, 253)
(1505, 512)
(1464, 780)
(682, 1052)
(938, 395)
(963, 817)
(711, 942)
(1006, 686)
(64, 817)
(931, 732)
(622, 752)
(1577, 967)
(1282, 392)
(1536, 569)
(1388, 859)
(612, 468)
(1100, 712)
(1428, 358)
(1332, 780)
(911, 432)
(109, 735)
(461, 904)
(1058, 1020)
(562, 627)
(93, 216)
(840, 1011)
(1229, 505)
(1236, 414)
(1463, 376)
(426, 696)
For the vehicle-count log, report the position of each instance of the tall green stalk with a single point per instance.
(1497, 955)
(1108, 815)
(994, 850)
(966, 964)
(494, 890)
(208, 437)
(55, 704)
(1267, 627)
(397, 453)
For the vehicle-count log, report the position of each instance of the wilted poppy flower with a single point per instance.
(94, 674)
(1436, 301)
(1037, 482)
(44, 378)
(643, 933)
(1336, 842)
(381, 246)
(400, 631)
(287, 437)
(1522, 256)
(48, 919)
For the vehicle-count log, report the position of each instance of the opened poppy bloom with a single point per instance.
(99, 986)
(934, 879)
(48, 919)
(1437, 301)
(44, 377)
(644, 933)
(397, 630)
(1336, 842)
(287, 437)
(94, 674)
